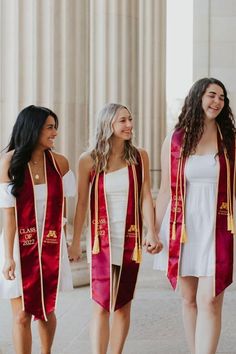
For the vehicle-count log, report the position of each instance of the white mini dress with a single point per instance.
(197, 254)
(116, 188)
(12, 288)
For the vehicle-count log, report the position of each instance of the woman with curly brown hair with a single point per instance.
(194, 210)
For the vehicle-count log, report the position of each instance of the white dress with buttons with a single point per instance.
(197, 255)
(12, 288)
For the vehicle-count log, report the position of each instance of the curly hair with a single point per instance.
(101, 149)
(24, 138)
(191, 118)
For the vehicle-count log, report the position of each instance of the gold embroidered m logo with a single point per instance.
(132, 228)
(223, 206)
(51, 234)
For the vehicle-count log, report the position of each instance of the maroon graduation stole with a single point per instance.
(101, 267)
(224, 229)
(40, 261)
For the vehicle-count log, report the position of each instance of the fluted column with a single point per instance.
(44, 61)
(74, 56)
(113, 54)
(151, 127)
(127, 65)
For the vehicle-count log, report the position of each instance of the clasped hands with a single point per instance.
(152, 244)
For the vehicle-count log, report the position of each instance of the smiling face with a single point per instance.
(212, 101)
(123, 124)
(48, 134)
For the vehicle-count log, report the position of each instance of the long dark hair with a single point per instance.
(191, 118)
(24, 138)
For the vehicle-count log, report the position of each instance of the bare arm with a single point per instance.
(151, 242)
(84, 168)
(63, 165)
(9, 223)
(163, 196)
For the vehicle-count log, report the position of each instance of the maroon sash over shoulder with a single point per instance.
(40, 260)
(224, 230)
(101, 263)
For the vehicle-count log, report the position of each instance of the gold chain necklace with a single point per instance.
(35, 173)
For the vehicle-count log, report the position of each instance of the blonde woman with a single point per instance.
(116, 176)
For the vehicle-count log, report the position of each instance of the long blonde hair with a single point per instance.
(102, 144)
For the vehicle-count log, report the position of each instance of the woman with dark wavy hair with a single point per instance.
(114, 177)
(33, 184)
(194, 210)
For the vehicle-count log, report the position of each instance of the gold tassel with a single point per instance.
(183, 238)
(96, 248)
(139, 259)
(135, 253)
(230, 219)
(173, 231)
(232, 224)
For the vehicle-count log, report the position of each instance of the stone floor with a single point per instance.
(156, 326)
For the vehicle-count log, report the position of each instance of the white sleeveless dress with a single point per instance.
(197, 254)
(12, 288)
(116, 188)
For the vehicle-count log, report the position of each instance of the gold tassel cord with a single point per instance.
(230, 219)
(137, 253)
(173, 233)
(96, 247)
(139, 260)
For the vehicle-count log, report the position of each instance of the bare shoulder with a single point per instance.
(62, 162)
(86, 161)
(5, 161)
(143, 153)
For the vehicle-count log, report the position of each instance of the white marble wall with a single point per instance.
(215, 42)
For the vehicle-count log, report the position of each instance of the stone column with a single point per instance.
(151, 101)
(45, 61)
(74, 56)
(127, 65)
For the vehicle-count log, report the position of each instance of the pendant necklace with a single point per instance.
(36, 175)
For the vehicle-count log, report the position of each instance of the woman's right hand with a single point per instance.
(74, 252)
(9, 269)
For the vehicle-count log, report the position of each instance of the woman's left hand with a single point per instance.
(152, 244)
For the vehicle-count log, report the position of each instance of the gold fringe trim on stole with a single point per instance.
(137, 253)
(96, 247)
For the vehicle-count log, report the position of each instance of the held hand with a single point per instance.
(9, 269)
(74, 253)
(152, 244)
